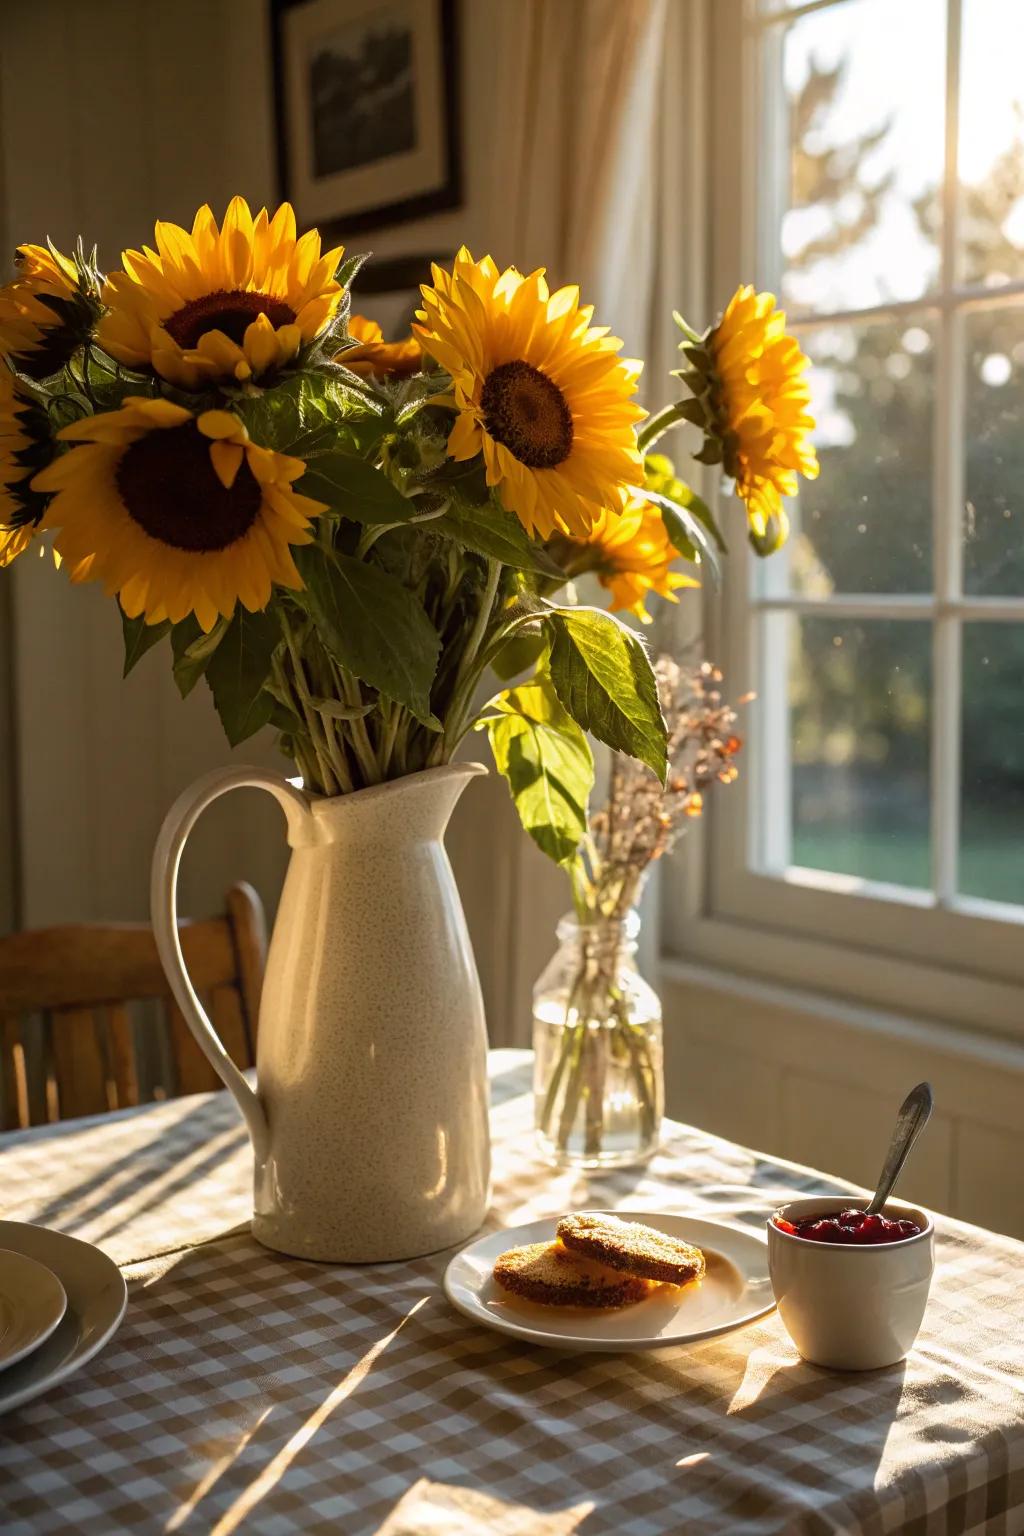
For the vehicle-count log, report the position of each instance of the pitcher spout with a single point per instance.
(416, 808)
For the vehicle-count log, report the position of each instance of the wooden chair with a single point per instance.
(69, 1044)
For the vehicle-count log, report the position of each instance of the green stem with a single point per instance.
(361, 743)
(401, 743)
(643, 1076)
(371, 535)
(328, 779)
(597, 1063)
(467, 676)
(657, 425)
(565, 1050)
(389, 735)
(336, 748)
(306, 762)
(574, 1087)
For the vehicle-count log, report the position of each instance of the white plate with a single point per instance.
(96, 1299)
(735, 1290)
(32, 1303)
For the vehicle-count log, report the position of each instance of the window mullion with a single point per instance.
(960, 296)
(948, 480)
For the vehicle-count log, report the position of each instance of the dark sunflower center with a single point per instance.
(526, 412)
(168, 486)
(231, 311)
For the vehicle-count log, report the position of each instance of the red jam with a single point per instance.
(849, 1227)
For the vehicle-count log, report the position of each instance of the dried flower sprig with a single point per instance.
(641, 821)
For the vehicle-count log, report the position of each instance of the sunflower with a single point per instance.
(753, 404)
(46, 312)
(228, 303)
(393, 359)
(176, 513)
(539, 391)
(25, 447)
(631, 554)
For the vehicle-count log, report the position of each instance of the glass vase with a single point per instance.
(598, 1067)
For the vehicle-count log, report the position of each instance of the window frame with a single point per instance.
(877, 944)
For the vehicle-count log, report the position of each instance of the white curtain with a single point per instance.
(593, 158)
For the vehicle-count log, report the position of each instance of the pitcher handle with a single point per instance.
(178, 823)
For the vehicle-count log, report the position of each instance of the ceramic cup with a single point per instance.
(851, 1307)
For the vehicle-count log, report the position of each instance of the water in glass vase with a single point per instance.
(598, 1072)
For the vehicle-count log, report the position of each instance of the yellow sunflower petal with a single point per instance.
(759, 397)
(260, 345)
(176, 514)
(176, 309)
(544, 396)
(631, 554)
(222, 424)
(227, 461)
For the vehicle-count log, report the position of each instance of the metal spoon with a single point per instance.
(910, 1122)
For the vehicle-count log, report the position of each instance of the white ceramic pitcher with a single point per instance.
(369, 1119)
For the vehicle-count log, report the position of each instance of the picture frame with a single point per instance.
(366, 96)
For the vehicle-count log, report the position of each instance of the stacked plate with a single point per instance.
(60, 1301)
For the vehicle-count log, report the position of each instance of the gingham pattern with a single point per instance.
(249, 1392)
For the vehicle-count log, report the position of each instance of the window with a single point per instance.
(871, 173)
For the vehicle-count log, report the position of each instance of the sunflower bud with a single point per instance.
(751, 400)
(50, 309)
(26, 446)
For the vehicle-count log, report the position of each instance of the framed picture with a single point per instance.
(367, 109)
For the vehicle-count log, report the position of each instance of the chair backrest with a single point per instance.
(71, 1042)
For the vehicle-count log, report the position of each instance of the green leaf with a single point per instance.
(356, 489)
(106, 389)
(686, 530)
(602, 676)
(288, 723)
(548, 764)
(336, 710)
(710, 453)
(349, 268)
(687, 497)
(489, 530)
(237, 670)
(519, 653)
(372, 625)
(139, 637)
(688, 331)
(310, 414)
(698, 356)
(192, 649)
(693, 411)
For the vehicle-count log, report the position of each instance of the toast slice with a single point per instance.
(631, 1248)
(551, 1275)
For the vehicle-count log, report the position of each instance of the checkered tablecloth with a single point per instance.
(253, 1393)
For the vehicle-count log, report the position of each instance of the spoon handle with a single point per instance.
(910, 1122)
